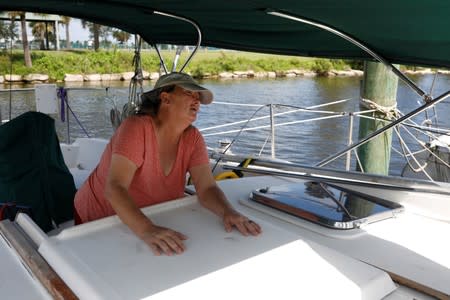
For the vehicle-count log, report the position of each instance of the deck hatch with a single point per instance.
(325, 204)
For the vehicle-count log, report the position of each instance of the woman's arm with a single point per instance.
(161, 240)
(212, 197)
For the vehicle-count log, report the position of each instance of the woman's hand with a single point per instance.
(164, 240)
(243, 224)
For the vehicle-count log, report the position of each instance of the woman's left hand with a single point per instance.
(245, 226)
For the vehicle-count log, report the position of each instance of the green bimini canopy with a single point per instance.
(401, 31)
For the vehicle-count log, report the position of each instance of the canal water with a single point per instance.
(306, 142)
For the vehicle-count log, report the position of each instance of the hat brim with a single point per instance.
(206, 96)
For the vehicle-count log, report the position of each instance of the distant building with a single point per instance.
(31, 17)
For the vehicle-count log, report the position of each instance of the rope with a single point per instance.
(62, 94)
(389, 111)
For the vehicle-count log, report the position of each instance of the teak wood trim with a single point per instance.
(418, 286)
(55, 286)
(414, 284)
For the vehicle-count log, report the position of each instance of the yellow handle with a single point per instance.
(226, 175)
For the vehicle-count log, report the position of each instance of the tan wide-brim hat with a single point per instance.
(186, 82)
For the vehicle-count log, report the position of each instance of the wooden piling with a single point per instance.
(379, 87)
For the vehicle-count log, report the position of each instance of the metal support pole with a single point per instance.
(46, 37)
(350, 141)
(175, 61)
(163, 64)
(272, 130)
(57, 35)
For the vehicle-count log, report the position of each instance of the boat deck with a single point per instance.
(293, 258)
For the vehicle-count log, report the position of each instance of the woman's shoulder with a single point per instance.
(138, 120)
(192, 131)
(192, 136)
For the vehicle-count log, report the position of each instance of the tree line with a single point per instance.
(45, 33)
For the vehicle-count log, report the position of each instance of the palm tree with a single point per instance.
(8, 31)
(105, 31)
(65, 21)
(44, 32)
(95, 31)
(23, 27)
(3, 30)
(121, 36)
(38, 31)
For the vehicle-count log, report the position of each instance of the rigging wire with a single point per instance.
(135, 89)
(405, 149)
(236, 136)
(427, 148)
(296, 109)
(393, 111)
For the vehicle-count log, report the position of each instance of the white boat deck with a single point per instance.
(16, 281)
(407, 246)
(292, 259)
(105, 260)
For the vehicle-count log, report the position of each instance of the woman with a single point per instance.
(146, 163)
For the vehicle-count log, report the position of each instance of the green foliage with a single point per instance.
(322, 66)
(58, 63)
(355, 64)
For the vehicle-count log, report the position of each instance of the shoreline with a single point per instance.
(127, 76)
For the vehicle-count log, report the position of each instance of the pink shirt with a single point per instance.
(135, 139)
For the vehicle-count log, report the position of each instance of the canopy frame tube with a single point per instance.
(199, 40)
(355, 42)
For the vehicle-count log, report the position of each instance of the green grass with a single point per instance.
(211, 62)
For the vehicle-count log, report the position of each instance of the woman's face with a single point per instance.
(185, 103)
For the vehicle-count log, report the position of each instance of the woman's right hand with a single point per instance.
(164, 240)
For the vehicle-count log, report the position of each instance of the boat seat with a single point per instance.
(82, 157)
(33, 173)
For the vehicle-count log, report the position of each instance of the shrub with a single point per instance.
(322, 66)
(58, 63)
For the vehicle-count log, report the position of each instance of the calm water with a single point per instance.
(305, 143)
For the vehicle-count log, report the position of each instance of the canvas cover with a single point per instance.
(33, 175)
(402, 31)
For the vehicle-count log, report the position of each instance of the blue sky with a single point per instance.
(77, 33)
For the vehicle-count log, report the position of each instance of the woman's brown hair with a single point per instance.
(151, 101)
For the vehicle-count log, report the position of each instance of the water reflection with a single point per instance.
(306, 143)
